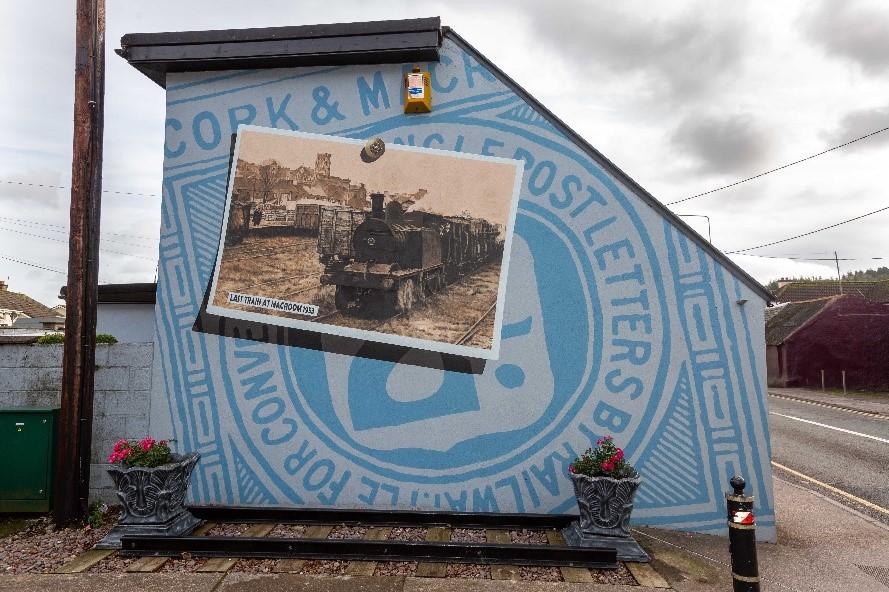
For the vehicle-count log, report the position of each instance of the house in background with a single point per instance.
(19, 313)
(834, 334)
(125, 311)
(799, 291)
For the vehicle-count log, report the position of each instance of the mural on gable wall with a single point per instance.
(613, 322)
(320, 236)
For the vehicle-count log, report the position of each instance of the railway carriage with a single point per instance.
(392, 259)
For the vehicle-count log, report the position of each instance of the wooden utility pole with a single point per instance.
(72, 473)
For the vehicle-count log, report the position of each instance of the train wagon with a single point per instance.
(335, 229)
(394, 261)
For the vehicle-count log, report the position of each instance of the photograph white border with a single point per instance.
(426, 344)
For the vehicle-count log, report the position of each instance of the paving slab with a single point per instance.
(479, 585)
(242, 582)
(82, 582)
(822, 546)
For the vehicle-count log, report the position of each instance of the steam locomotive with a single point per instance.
(395, 258)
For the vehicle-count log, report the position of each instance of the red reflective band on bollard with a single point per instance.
(742, 538)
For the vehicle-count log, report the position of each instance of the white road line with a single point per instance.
(830, 427)
(846, 494)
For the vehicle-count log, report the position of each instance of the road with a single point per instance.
(846, 450)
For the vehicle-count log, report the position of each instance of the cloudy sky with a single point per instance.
(685, 96)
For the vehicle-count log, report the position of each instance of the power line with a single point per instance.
(809, 258)
(784, 240)
(64, 230)
(29, 264)
(776, 169)
(48, 186)
(59, 240)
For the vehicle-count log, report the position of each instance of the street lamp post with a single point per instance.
(709, 236)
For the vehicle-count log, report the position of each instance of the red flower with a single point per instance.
(571, 469)
(607, 466)
(619, 455)
(146, 443)
(120, 444)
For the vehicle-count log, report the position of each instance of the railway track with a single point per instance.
(357, 322)
(259, 253)
(475, 326)
(299, 277)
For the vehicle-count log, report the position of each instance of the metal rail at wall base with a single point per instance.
(373, 550)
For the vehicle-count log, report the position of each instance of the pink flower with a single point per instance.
(163, 443)
(619, 455)
(120, 444)
(608, 465)
(571, 469)
(599, 442)
(609, 438)
(146, 443)
(123, 454)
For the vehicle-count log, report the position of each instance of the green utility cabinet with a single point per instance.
(27, 450)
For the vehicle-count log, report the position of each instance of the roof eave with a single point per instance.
(380, 42)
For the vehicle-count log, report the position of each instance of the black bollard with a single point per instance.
(742, 538)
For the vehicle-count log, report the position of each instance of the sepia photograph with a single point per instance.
(386, 242)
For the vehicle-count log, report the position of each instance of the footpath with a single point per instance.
(874, 403)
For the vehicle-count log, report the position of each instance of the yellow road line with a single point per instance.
(845, 494)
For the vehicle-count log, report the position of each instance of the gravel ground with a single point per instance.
(321, 567)
(112, 564)
(257, 566)
(528, 537)
(621, 575)
(412, 534)
(395, 568)
(228, 529)
(184, 563)
(288, 531)
(469, 570)
(40, 547)
(540, 574)
(345, 531)
(468, 535)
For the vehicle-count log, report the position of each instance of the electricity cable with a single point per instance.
(48, 186)
(811, 232)
(782, 167)
(59, 240)
(64, 231)
(29, 264)
(810, 258)
(64, 228)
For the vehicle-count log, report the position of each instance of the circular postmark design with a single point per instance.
(584, 347)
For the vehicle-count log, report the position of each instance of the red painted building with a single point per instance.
(831, 334)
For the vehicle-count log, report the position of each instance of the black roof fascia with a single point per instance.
(379, 42)
(135, 293)
(609, 166)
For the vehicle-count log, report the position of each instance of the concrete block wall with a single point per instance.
(31, 376)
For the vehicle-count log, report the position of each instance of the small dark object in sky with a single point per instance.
(373, 149)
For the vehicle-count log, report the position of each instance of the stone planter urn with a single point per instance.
(152, 500)
(605, 505)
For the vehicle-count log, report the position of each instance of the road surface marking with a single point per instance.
(875, 414)
(830, 427)
(846, 494)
